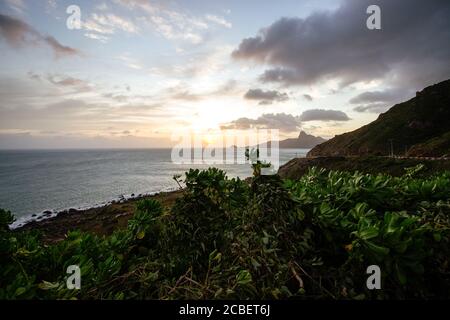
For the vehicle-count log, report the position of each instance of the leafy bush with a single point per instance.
(269, 239)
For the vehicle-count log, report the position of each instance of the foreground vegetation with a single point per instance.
(311, 238)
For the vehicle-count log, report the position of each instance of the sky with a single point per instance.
(134, 71)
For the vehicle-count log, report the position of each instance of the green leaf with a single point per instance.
(218, 257)
(377, 249)
(20, 291)
(140, 235)
(368, 233)
(244, 277)
(45, 285)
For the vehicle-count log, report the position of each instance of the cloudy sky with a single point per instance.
(136, 70)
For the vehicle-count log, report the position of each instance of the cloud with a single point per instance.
(227, 88)
(173, 26)
(308, 97)
(130, 62)
(17, 5)
(219, 20)
(16, 92)
(197, 64)
(52, 4)
(116, 97)
(101, 25)
(265, 97)
(169, 23)
(185, 93)
(96, 36)
(282, 121)
(51, 140)
(102, 7)
(377, 96)
(18, 33)
(62, 81)
(15, 31)
(58, 49)
(323, 115)
(48, 116)
(378, 101)
(186, 96)
(67, 114)
(34, 76)
(372, 108)
(67, 81)
(411, 49)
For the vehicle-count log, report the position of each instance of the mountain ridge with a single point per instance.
(417, 127)
(303, 141)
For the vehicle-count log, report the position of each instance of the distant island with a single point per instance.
(303, 141)
(419, 127)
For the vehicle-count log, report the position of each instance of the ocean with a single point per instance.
(34, 181)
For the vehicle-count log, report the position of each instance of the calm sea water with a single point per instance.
(34, 181)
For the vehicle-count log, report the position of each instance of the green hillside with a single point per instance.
(419, 127)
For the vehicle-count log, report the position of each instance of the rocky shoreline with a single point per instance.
(101, 220)
(46, 214)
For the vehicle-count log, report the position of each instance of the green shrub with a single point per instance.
(266, 239)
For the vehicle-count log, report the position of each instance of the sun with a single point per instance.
(209, 139)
